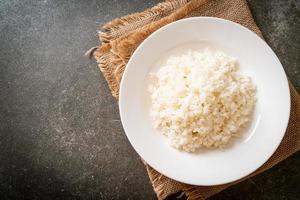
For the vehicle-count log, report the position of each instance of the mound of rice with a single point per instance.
(200, 100)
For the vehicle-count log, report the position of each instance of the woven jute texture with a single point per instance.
(120, 37)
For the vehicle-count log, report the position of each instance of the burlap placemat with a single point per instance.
(120, 37)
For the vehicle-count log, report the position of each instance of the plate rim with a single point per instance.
(285, 123)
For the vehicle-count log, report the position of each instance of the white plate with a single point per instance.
(257, 143)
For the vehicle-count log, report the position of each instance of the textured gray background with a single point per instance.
(60, 132)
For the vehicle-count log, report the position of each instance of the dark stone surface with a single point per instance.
(60, 132)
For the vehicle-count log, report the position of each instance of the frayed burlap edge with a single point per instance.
(114, 29)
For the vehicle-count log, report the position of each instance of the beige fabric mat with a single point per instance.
(120, 37)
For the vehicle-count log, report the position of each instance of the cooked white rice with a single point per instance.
(200, 100)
